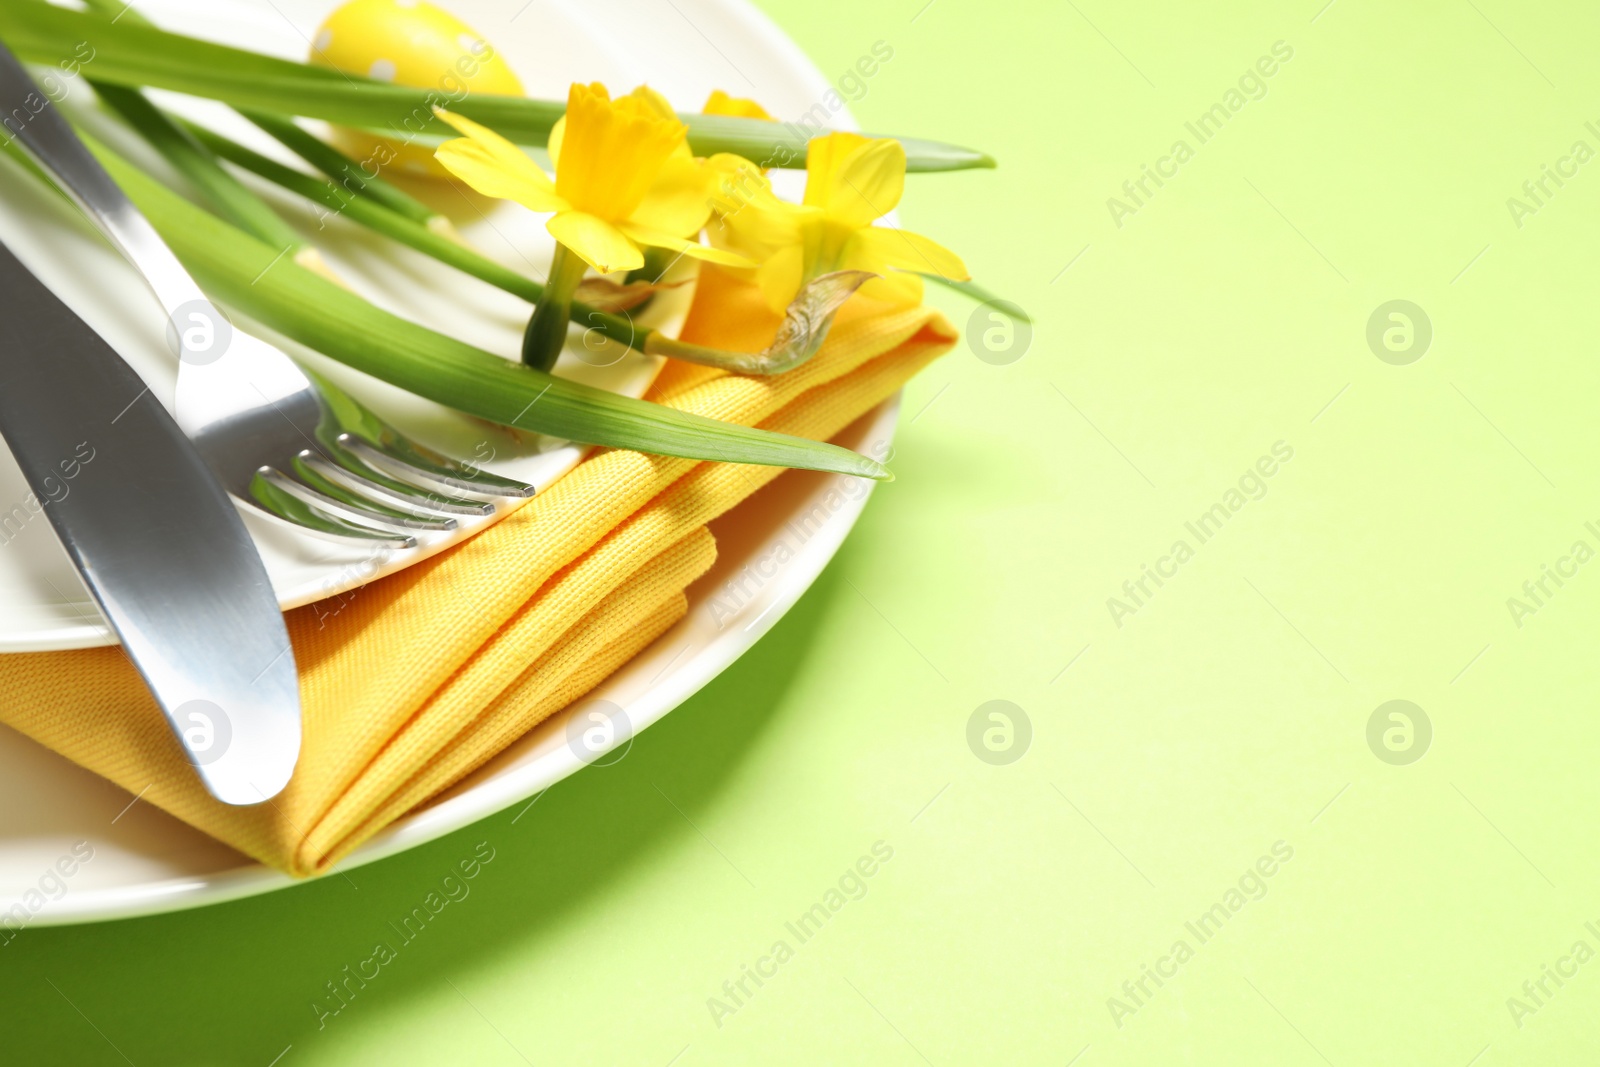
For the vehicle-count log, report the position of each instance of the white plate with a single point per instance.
(146, 861)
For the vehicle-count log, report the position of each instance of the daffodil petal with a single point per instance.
(658, 239)
(596, 241)
(720, 256)
(495, 167)
(865, 183)
(513, 158)
(736, 181)
(878, 246)
(854, 179)
(825, 157)
(779, 277)
(473, 164)
(679, 200)
(758, 231)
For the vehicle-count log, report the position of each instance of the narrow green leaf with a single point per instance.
(974, 291)
(227, 196)
(286, 131)
(368, 213)
(343, 170)
(232, 200)
(141, 55)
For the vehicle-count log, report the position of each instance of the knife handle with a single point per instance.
(36, 122)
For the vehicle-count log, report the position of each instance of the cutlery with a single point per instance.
(160, 546)
(290, 444)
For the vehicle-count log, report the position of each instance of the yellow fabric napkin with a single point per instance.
(414, 680)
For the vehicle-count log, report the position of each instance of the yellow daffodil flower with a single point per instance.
(851, 182)
(624, 178)
(739, 107)
(720, 103)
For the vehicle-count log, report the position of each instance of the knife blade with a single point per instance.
(157, 542)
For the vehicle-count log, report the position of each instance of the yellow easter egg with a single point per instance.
(412, 43)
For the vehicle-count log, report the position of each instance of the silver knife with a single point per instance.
(158, 543)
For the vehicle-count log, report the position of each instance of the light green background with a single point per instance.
(1227, 714)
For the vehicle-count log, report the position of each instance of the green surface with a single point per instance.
(1170, 753)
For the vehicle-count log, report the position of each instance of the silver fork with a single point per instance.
(286, 441)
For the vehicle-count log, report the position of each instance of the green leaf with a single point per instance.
(141, 55)
(226, 195)
(233, 201)
(340, 168)
(369, 213)
(978, 293)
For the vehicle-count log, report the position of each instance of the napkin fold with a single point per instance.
(414, 680)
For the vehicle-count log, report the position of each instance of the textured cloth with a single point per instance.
(416, 679)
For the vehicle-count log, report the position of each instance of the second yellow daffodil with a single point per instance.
(851, 182)
(720, 103)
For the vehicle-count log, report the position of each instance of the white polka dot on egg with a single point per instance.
(383, 70)
(324, 39)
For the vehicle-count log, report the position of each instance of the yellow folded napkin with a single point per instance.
(413, 681)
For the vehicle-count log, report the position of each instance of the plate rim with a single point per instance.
(507, 787)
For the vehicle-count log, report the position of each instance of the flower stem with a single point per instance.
(547, 330)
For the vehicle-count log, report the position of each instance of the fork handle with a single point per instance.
(34, 120)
